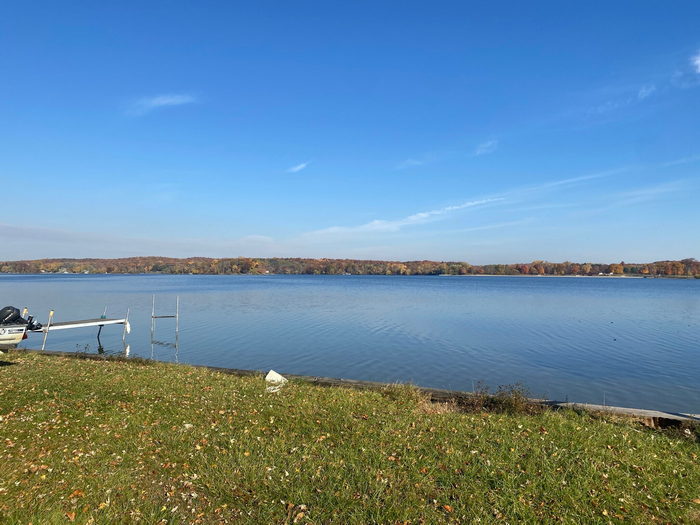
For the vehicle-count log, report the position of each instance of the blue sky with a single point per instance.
(475, 131)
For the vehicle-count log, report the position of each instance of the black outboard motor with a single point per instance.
(12, 315)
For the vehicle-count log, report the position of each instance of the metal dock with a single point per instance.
(99, 322)
(80, 324)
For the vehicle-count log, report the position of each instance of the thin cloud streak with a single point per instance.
(637, 196)
(381, 225)
(645, 91)
(486, 148)
(298, 167)
(679, 162)
(409, 163)
(571, 180)
(649, 193)
(680, 79)
(148, 104)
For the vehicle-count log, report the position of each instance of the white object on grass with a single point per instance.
(275, 381)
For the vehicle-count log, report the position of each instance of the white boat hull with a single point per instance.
(11, 335)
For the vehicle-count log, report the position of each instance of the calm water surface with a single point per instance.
(628, 342)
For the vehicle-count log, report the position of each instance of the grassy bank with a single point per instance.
(90, 441)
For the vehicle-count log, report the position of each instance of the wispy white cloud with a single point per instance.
(645, 91)
(643, 195)
(677, 162)
(512, 196)
(682, 78)
(648, 193)
(685, 79)
(381, 225)
(620, 103)
(486, 147)
(409, 163)
(298, 167)
(621, 97)
(695, 61)
(432, 157)
(625, 198)
(582, 178)
(148, 104)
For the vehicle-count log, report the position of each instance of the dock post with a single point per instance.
(46, 333)
(126, 326)
(176, 316)
(177, 328)
(153, 316)
(153, 325)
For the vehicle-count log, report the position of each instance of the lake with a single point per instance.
(626, 342)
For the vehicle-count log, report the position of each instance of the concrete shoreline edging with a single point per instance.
(651, 418)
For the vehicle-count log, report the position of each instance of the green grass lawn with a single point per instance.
(110, 441)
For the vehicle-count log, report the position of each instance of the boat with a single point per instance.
(14, 327)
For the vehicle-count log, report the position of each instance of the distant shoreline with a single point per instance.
(681, 277)
(303, 266)
(568, 276)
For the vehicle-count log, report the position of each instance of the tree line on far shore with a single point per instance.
(245, 265)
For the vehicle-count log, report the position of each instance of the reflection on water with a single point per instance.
(632, 342)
